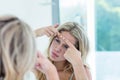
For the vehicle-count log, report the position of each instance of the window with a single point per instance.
(107, 27)
(107, 17)
(102, 21)
(73, 10)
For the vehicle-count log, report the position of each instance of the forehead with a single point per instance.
(68, 36)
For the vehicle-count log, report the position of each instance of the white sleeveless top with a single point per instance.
(29, 76)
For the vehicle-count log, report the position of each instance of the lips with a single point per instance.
(54, 54)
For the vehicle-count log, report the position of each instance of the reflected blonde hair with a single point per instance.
(17, 48)
(82, 43)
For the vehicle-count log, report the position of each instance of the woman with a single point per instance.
(68, 50)
(17, 51)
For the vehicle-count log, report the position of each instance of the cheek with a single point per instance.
(62, 53)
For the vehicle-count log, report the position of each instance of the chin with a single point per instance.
(52, 59)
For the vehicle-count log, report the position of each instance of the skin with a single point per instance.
(62, 49)
(59, 47)
(45, 66)
(42, 63)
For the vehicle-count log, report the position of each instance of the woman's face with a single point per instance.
(58, 46)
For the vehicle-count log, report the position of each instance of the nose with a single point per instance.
(58, 48)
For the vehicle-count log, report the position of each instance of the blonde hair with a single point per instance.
(17, 48)
(82, 43)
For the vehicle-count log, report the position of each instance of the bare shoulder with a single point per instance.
(88, 72)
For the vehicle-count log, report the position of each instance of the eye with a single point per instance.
(57, 40)
(66, 46)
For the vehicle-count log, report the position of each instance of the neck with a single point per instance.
(60, 65)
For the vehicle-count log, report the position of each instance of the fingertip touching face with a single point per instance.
(58, 46)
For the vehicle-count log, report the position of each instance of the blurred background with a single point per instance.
(101, 19)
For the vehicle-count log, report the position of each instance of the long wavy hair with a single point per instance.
(82, 44)
(17, 48)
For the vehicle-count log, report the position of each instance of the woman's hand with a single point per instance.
(43, 64)
(48, 31)
(72, 54)
(74, 57)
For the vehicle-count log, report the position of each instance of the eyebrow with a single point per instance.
(63, 40)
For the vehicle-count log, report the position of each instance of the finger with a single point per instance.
(38, 67)
(39, 55)
(54, 30)
(56, 25)
(58, 34)
(50, 32)
(47, 33)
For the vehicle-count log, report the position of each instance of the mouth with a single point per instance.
(54, 54)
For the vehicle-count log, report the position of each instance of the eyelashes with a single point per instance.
(66, 46)
(57, 40)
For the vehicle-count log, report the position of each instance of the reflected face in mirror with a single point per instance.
(58, 46)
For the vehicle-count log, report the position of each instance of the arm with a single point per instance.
(48, 31)
(52, 74)
(88, 73)
(74, 57)
(81, 72)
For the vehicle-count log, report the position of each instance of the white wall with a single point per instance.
(91, 35)
(107, 65)
(34, 12)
